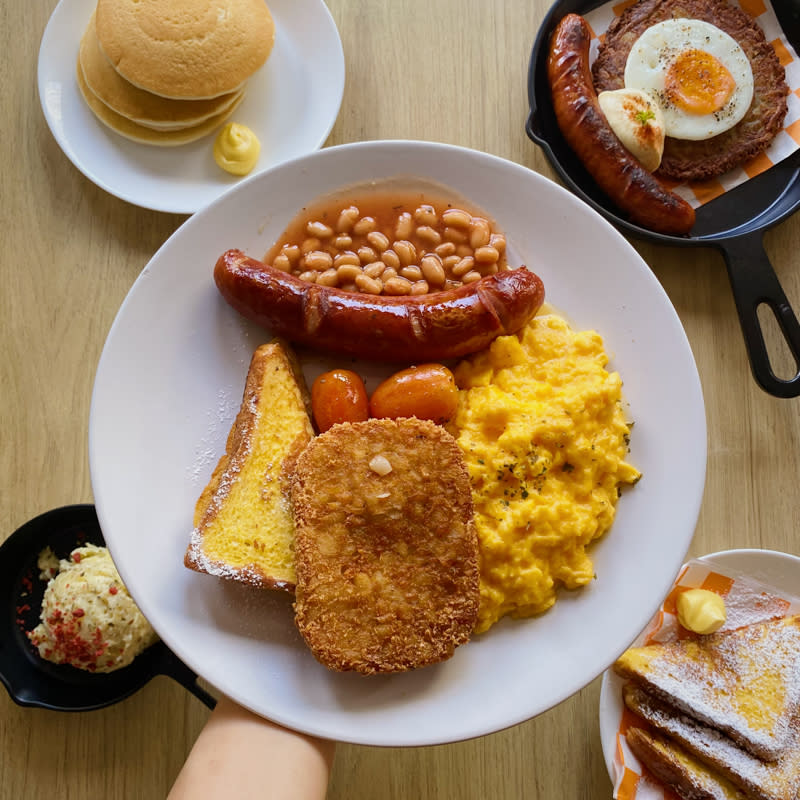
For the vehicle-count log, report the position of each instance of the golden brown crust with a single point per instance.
(759, 779)
(744, 682)
(191, 50)
(690, 779)
(700, 160)
(387, 562)
(252, 420)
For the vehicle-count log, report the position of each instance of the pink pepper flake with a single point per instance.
(112, 590)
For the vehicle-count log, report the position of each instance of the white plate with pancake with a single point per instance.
(291, 103)
(781, 571)
(169, 384)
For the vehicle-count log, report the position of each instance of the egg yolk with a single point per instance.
(698, 83)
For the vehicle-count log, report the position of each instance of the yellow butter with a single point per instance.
(236, 149)
(701, 611)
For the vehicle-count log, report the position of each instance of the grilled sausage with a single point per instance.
(616, 171)
(431, 327)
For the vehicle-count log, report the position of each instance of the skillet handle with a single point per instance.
(532, 127)
(170, 665)
(754, 282)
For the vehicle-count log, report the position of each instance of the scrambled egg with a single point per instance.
(544, 435)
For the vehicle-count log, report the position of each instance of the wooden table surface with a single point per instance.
(450, 71)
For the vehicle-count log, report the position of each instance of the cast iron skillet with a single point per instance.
(734, 223)
(32, 681)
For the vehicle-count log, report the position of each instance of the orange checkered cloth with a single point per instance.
(747, 601)
(787, 140)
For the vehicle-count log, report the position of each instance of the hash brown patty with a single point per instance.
(385, 546)
(686, 160)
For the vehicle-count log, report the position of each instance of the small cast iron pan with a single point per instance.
(733, 223)
(32, 681)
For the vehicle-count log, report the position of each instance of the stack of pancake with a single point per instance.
(168, 72)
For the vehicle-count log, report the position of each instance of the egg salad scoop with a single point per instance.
(88, 619)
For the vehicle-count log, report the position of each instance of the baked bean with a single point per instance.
(456, 218)
(378, 246)
(378, 240)
(412, 272)
(432, 269)
(420, 287)
(368, 285)
(406, 252)
(426, 215)
(318, 260)
(292, 252)
(319, 229)
(347, 273)
(347, 218)
(463, 267)
(455, 235)
(282, 262)
(404, 227)
(328, 278)
(445, 249)
(397, 285)
(449, 262)
(464, 250)
(375, 269)
(486, 255)
(391, 259)
(348, 257)
(429, 235)
(366, 254)
(364, 226)
(480, 233)
(498, 241)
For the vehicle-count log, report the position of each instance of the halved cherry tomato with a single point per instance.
(338, 396)
(427, 391)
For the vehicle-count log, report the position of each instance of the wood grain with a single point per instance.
(451, 71)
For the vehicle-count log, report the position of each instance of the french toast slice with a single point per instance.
(744, 682)
(386, 548)
(688, 777)
(760, 780)
(243, 520)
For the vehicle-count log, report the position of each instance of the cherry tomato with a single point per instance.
(338, 396)
(427, 391)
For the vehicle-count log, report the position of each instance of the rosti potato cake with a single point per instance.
(386, 551)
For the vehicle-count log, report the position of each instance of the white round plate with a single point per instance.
(291, 103)
(169, 384)
(779, 570)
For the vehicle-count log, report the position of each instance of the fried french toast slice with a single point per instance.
(386, 549)
(687, 776)
(744, 682)
(759, 779)
(243, 521)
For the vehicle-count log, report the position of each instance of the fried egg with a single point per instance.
(697, 73)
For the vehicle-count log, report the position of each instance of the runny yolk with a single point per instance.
(698, 83)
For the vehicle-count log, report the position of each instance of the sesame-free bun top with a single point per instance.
(185, 49)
